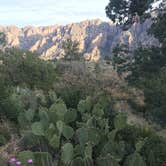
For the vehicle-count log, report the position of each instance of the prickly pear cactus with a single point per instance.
(70, 116)
(88, 162)
(44, 119)
(106, 161)
(42, 159)
(59, 126)
(82, 135)
(134, 159)
(67, 132)
(93, 136)
(38, 129)
(117, 150)
(55, 141)
(77, 162)
(22, 120)
(59, 109)
(52, 96)
(89, 103)
(51, 130)
(98, 110)
(139, 145)
(67, 153)
(82, 106)
(85, 105)
(120, 121)
(30, 115)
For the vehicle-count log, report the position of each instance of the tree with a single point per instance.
(23, 68)
(154, 150)
(146, 67)
(158, 28)
(2, 40)
(3, 95)
(145, 63)
(123, 11)
(71, 50)
(155, 93)
(120, 59)
(134, 160)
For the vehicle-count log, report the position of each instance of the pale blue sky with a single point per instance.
(49, 12)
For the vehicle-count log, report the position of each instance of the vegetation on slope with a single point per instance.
(145, 68)
(73, 121)
(72, 112)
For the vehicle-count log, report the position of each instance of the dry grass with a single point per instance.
(11, 148)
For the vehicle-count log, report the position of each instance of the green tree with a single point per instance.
(154, 150)
(3, 96)
(158, 28)
(155, 93)
(134, 160)
(8, 108)
(146, 67)
(145, 63)
(121, 59)
(71, 50)
(25, 68)
(123, 11)
(2, 39)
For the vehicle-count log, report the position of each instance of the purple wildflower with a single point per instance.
(30, 161)
(12, 160)
(18, 163)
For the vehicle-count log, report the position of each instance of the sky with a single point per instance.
(50, 12)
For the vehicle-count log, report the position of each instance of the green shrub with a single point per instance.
(42, 159)
(18, 66)
(154, 151)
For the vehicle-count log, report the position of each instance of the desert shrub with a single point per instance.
(71, 95)
(20, 68)
(154, 151)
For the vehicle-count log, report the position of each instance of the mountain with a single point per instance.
(96, 38)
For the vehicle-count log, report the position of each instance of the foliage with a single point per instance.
(120, 61)
(154, 151)
(23, 68)
(122, 11)
(71, 50)
(134, 159)
(120, 121)
(37, 128)
(82, 136)
(24, 156)
(42, 159)
(2, 39)
(155, 93)
(158, 28)
(145, 69)
(67, 153)
(5, 132)
(70, 130)
(71, 94)
(142, 64)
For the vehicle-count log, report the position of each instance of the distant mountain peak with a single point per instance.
(96, 37)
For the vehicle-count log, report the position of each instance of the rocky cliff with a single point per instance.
(96, 38)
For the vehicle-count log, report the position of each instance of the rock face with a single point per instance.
(96, 38)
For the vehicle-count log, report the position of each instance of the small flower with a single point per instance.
(30, 161)
(12, 160)
(18, 163)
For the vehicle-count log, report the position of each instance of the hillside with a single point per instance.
(96, 38)
(86, 94)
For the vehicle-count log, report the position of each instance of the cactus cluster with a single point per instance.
(80, 137)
